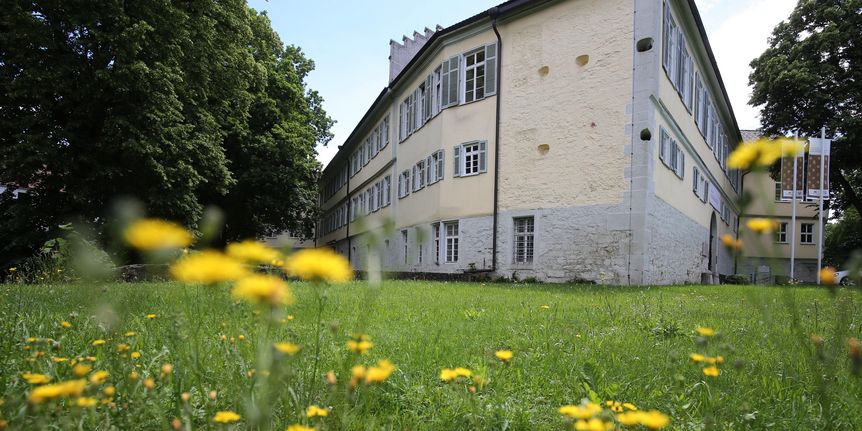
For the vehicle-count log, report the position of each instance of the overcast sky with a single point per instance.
(349, 43)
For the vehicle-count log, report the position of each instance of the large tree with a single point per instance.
(811, 76)
(177, 104)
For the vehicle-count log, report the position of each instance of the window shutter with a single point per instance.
(440, 165)
(680, 160)
(454, 75)
(490, 69)
(429, 96)
(483, 163)
(695, 175)
(457, 162)
(429, 170)
(444, 84)
(665, 39)
(402, 121)
(662, 151)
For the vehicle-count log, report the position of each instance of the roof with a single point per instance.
(506, 8)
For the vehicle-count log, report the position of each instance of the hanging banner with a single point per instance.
(818, 148)
(787, 174)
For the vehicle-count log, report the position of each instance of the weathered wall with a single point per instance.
(805, 269)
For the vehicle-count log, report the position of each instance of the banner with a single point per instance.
(818, 148)
(787, 176)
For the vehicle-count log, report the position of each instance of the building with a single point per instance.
(561, 140)
(766, 258)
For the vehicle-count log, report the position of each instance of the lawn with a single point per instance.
(570, 342)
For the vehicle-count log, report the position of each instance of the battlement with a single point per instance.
(401, 53)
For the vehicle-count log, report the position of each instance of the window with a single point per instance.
(419, 108)
(451, 241)
(437, 98)
(384, 132)
(670, 154)
(436, 232)
(523, 251)
(369, 199)
(385, 191)
(470, 159)
(778, 196)
(419, 175)
(781, 233)
(404, 241)
(354, 208)
(404, 184)
(376, 197)
(807, 233)
(403, 127)
(474, 75)
(449, 82)
(434, 167)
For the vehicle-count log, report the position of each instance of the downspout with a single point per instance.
(349, 210)
(494, 12)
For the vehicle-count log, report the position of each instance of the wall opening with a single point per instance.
(646, 135)
(543, 149)
(644, 44)
(544, 70)
(582, 60)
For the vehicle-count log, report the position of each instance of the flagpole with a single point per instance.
(820, 204)
(793, 217)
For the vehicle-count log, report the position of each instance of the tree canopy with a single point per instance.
(177, 104)
(811, 76)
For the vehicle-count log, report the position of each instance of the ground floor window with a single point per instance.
(451, 241)
(436, 232)
(523, 252)
(807, 233)
(404, 241)
(781, 233)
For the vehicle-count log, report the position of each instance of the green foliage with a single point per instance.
(811, 76)
(571, 351)
(180, 105)
(842, 238)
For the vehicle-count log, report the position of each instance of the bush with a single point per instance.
(737, 279)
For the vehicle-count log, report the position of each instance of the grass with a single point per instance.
(570, 342)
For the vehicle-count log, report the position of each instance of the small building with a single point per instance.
(560, 140)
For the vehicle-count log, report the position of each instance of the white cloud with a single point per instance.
(740, 38)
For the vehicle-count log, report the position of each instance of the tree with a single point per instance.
(842, 238)
(811, 76)
(177, 104)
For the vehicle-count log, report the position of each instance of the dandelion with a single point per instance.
(359, 346)
(762, 152)
(151, 316)
(287, 348)
(298, 427)
(712, 371)
(135, 355)
(130, 334)
(594, 424)
(762, 225)
(81, 370)
(697, 357)
(704, 331)
(827, 275)
(99, 377)
(208, 267)
(252, 251)
(319, 264)
(379, 372)
(134, 376)
(86, 402)
(98, 342)
(109, 391)
(71, 388)
(149, 383)
(226, 417)
(545, 307)
(583, 411)
(65, 324)
(615, 406)
(241, 337)
(36, 378)
(630, 406)
(357, 373)
(57, 359)
(263, 289)
(154, 234)
(504, 355)
(651, 419)
(315, 411)
(123, 348)
(167, 369)
(289, 317)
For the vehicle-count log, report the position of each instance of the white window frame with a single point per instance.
(419, 175)
(806, 237)
(523, 241)
(435, 231)
(781, 233)
(404, 184)
(480, 153)
(475, 69)
(404, 239)
(452, 241)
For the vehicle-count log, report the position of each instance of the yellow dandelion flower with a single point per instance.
(287, 348)
(447, 375)
(827, 276)
(704, 331)
(130, 334)
(762, 225)
(86, 402)
(71, 388)
(226, 417)
(208, 267)
(135, 355)
(99, 377)
(628, 419)
(289, 317)
(65, 324)
(763, 152)
(357, 373)
(359, 346)
(167, 369)
(315, 411)
(152, 316)
(654, 419)
(594, 424)
(319, 264)
(298, 427)
(380, 372)
(463, 372)
(36, 378)
(58, 359)
(583, 411)
(630, 406)
(123, 348)
(263, 289)
(615, 406)
(154, 234)
(697, 357)
(149, 383)
(253, 252)
(241, 337)
(712, 371)
(504, 355)
(81, 370)
(545, 307)
(98, 342)
(134, 376)
(109, 391)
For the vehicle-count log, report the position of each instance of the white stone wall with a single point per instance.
(675, 246)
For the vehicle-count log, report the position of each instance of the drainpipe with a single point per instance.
(494, 12)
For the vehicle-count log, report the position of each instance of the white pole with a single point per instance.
(793, 217)
(820, 203)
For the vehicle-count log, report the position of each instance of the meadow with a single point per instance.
(780, 353)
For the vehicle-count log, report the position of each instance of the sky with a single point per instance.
(349, 43)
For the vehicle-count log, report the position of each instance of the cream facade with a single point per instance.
(610, 140)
